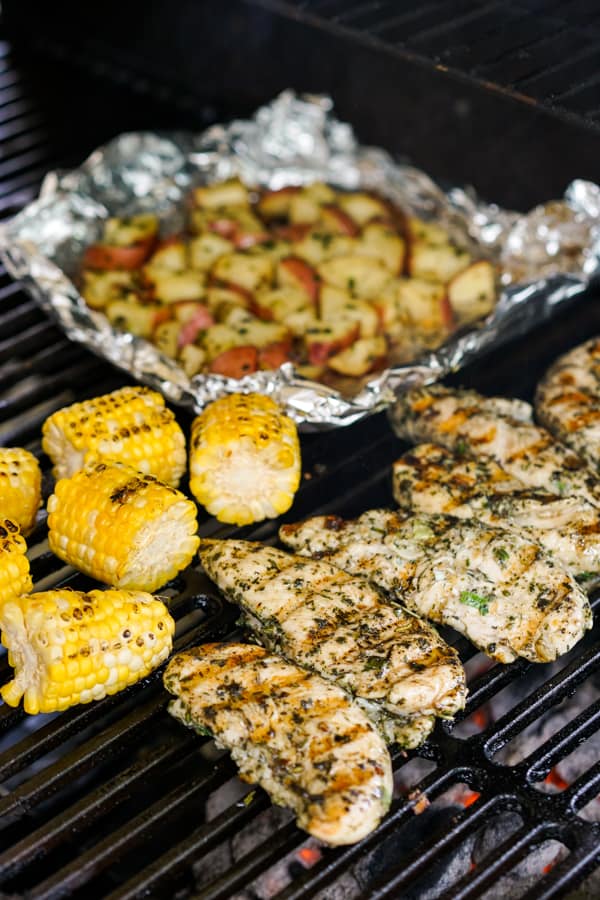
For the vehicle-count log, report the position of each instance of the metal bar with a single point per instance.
(538, 764)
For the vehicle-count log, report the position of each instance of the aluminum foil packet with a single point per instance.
(545, 258)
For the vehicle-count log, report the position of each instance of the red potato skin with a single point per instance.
(344, 224)
(447, 312)
(107, 256)
(320, 351)
(243, 241)
(274, 355)
(200, 321)
(225, 227)
(291, 233)
(305, 276)
(261, 312)
(235, 363)
(247, 296)
(160, 317)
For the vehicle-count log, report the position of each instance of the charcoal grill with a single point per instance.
(113, 799)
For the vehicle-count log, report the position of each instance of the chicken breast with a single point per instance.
(568, 401)
(298, 736)
(340, 626)
(492, 427)
(430, 479)
(497, 588)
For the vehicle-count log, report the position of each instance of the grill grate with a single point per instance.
(536, 51)
(112, 799)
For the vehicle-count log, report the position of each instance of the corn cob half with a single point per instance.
(244, 459)
(131, 425)
(20, 486)
(68, 647)
(14, 565)
(123, 528)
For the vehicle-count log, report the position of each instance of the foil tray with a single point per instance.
(545, 258)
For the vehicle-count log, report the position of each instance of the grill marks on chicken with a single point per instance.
(298, 736)
(568, 401)
(340, 626)
(496, 428)
(430, 479)
(496, 587)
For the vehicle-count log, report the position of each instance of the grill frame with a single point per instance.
(41, 371)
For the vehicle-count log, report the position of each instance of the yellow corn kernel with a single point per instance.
(123, 528)
(131, 425)
(52, 673)
(20, 486)
(244, 459)
(14, 565)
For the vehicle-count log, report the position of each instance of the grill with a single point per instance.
(116, 799)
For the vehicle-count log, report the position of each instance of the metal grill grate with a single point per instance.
(535, 50)
(112, 799)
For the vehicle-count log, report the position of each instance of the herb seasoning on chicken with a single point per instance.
(340, 626)
(497, 588)
(568, 401)
(430, 479)
(298, 736)
(497, 428)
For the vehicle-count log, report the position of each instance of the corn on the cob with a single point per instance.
(14, 565)
(123, 528)
(131, 425)
(244, 459)
(20, 486)
(68, 647)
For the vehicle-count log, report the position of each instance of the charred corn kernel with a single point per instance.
(244, 459)
(14, 565)
(131, 425)
(20, 486)
(68, 647)
(123, 528)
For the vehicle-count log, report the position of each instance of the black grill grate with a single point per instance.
(537, 51)
(111, 799)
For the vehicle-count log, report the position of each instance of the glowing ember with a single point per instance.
(470, 798)
(555, 779)
(480, 719)
(308, 856)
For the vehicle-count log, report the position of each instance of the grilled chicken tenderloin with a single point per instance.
(430, 479)
(298, 736)
(395, 665)
(568, 401)
(497, 588)
(493, 427)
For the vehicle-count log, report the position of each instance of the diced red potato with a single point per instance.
(191, 359)
(424, 304)
(362, 207)
(298, 323)
(280, 303)
(236, 362)
(100, 288)
(425, 232)
(383, 243)
(250, 330)
(439, 262)
(274, 355)
(139, 319)
(170, 256)
(224, 193)
(336, 305)
(222, 298)
(128, 231)
(296, 273)
(200, 321)
(108, 256)
(291, 233)
(304, 210)
(472, 293)
(335, 220)
(206, 248)
(276, 204)
(325, 339)
(184, 310)
(173, 287)
(248, 271)
(361, 357)
(165, 337)
(361, 276)
(310, 371)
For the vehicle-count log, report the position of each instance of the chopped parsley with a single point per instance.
(501, 554)
(587, 576)
(376, 663)
(461, 447)
(470, 598)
